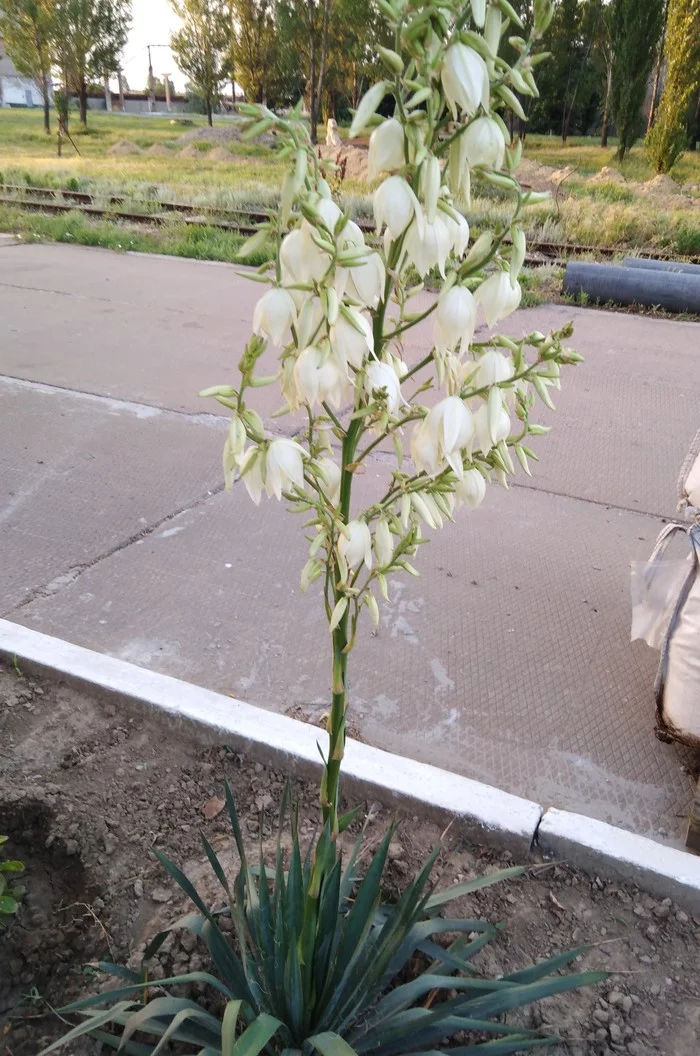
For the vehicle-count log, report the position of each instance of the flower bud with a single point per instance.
(484, 143)
(356, 545)
(386, 148)
(383, 543)
(368, 106)
(471, 489)
(465, 80)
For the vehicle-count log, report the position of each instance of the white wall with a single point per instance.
(20, 91)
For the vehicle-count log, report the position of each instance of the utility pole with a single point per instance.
(120, 78)
(108, 94)
(151, 84)
(166, 82)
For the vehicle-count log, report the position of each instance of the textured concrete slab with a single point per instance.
(509, 662)
(157, 330)
(480, 811)
(81, 477)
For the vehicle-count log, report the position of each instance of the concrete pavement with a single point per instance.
(508, 661)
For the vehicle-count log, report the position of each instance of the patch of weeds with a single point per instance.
(603, 192)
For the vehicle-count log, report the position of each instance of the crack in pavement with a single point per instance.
(65, 579)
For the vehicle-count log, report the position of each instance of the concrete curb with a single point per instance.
(483, 813)
(596, 846)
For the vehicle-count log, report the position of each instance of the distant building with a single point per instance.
(16, 90)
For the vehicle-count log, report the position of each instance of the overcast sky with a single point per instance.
(152, 23)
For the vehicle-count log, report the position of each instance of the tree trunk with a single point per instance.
(324, 55)
(695, 126)
(83, 103)
(210, 120)
(657, 70)
(313, 116)
(606, 108)
(47, 103)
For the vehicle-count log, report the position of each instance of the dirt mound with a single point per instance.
(159, 151)
(220, 154)
(661, 184)
(559, 175)
(352, 157)
(608, 175)
(535, 176)
(124, 147)
(190, 152)
(220, 134)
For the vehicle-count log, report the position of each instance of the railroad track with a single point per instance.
(243, 221)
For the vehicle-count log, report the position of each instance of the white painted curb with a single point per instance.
(598, 847)
(482, 812)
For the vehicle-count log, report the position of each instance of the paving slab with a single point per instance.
(157, 330)
(508, 662)
(80, 477)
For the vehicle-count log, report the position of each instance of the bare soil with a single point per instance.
(125, 147)
(87, 788)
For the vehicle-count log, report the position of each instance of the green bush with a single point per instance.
(10, 891)
(318, 963)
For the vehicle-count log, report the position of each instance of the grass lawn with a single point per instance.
(618, 213)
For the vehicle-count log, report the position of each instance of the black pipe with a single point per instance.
(604, 283)
(662, 265)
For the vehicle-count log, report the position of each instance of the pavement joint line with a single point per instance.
(149, 410)
(483, 813)
(136, 407)
(74, 572)
(76, 295)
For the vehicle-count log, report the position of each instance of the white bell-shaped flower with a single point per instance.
(309, 320)
(455, 319)
(395, 205)
(358, 547)
(330, 478)
(425, 450)
(465, 80)
(250, 467)
(351, 337)
(386, 148)
(459, 233)
(383, 543)
(486, 437)
(429, 249)
(319, 378)
(301, 259)
(491, 368)
(498, 297)
(483, 143)
(274, 314)
(452, 424)
(284, 465)
(471, 489)
(366, 281)
(380, 376)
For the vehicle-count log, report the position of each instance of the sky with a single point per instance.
(152, 23)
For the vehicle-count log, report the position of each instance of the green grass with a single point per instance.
(586, 154)
(608, 213)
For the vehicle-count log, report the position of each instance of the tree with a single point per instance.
(603, 54)
(202, 45)
(255, 46)
(635, 27)
(658, 66)
(90, 34)
(305, 25)
(668, 137)
(27, 27)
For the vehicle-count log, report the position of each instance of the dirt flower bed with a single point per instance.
(87, 788)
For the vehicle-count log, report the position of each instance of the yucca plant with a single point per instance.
(326, 968)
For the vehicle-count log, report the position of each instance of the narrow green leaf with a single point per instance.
(469, 886)
(537, 971)
(525, 993)
(228, 1027)
(140, 987)
(216, 864)
(255, 1037)
(95, 1019)
(331, 1044)
(12, 866)
(146, 1018)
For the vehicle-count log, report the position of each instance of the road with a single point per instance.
(509, 660)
